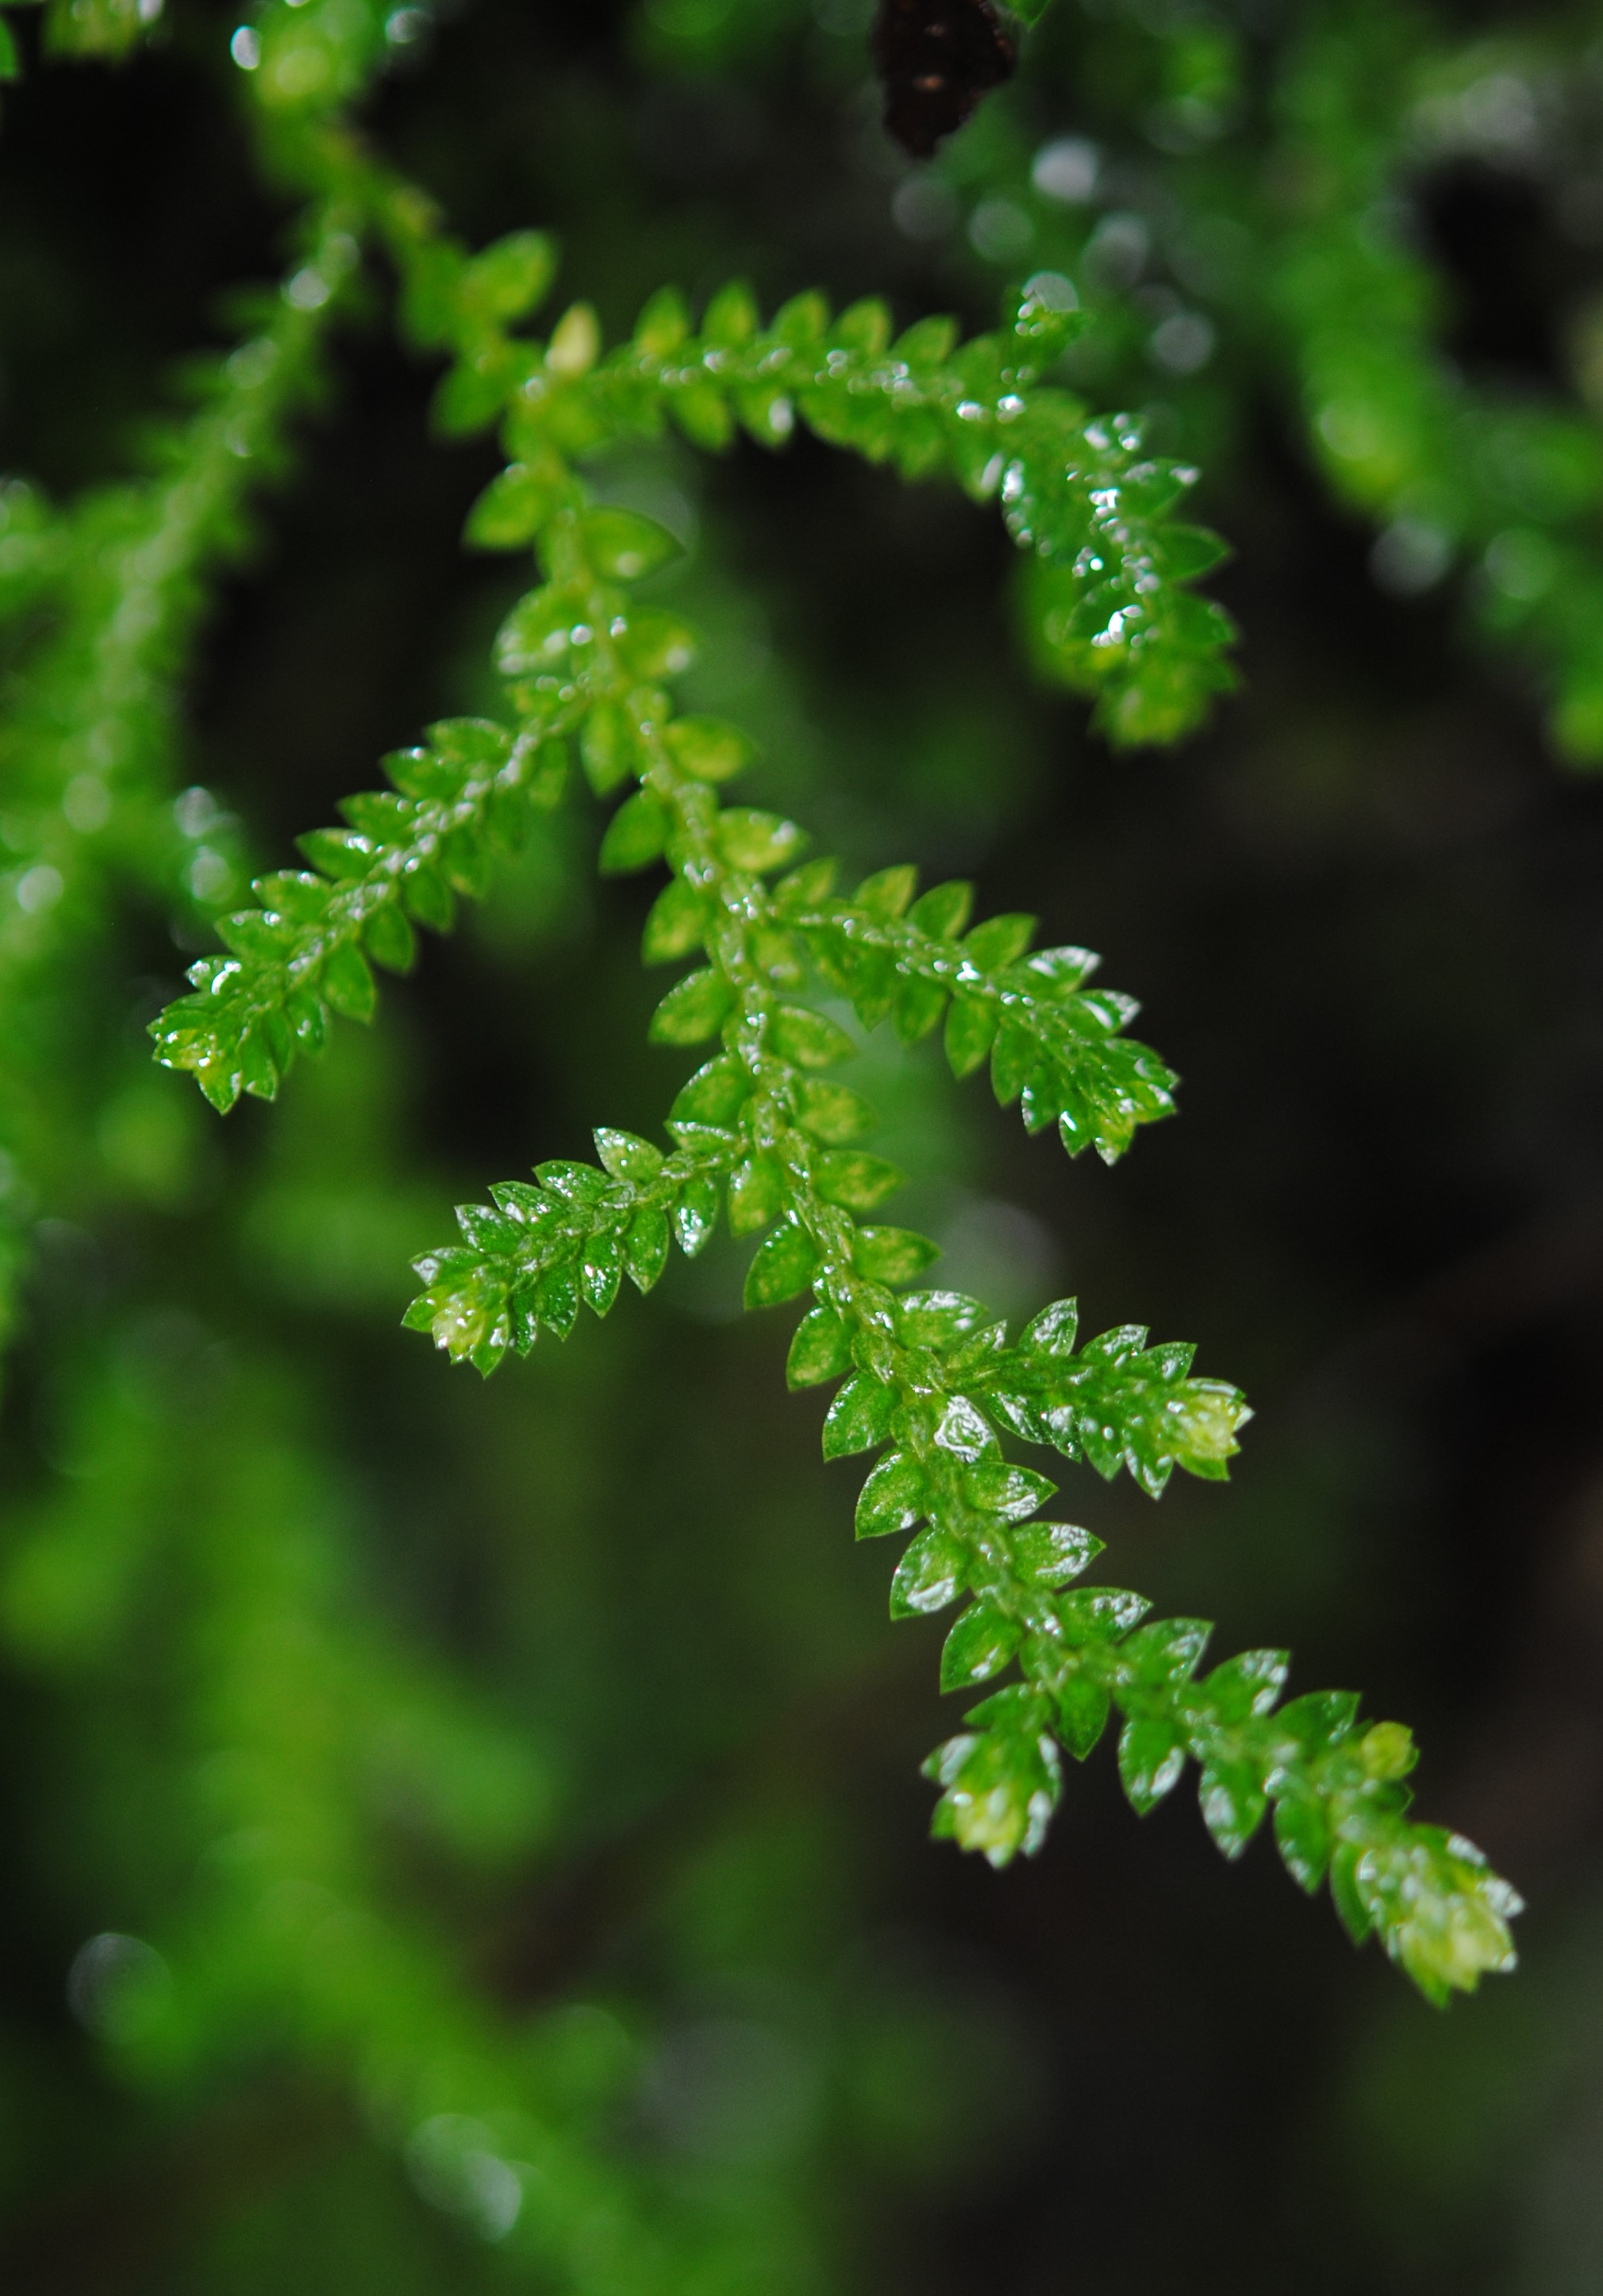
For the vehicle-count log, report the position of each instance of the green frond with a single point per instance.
(202, 1543)
(458, 800)
(928, 1378)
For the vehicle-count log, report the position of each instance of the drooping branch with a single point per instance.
(926, 1376)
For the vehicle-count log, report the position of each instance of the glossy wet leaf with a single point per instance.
(978, 1646)
(694, 1009)
(678, 919)
(1051, 1553)
(963, 1431)
(1233, 1800)
(893, 1255)
(929, 1576)
(916, 1008)
(832, 1111)
(937, 1319)
(758, 1194)
(859, 1417)
(1000, 1789)
(784, 1265)
(1168, 1651)
(758, 842)
(715, 1095)
(1006, 1493)
(808, 1039)
(695, 1214)
(1152, 1756)
(971, 1029)
(646, 1247)
(820, 1350)
(857, 1181)
(896, 1496)
(1083, 1708)
(627, 1157)
(1356, 1917)
(1246, 1685)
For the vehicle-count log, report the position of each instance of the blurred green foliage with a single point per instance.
(463, 1834)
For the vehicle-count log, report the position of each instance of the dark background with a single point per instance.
(1362, 914)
